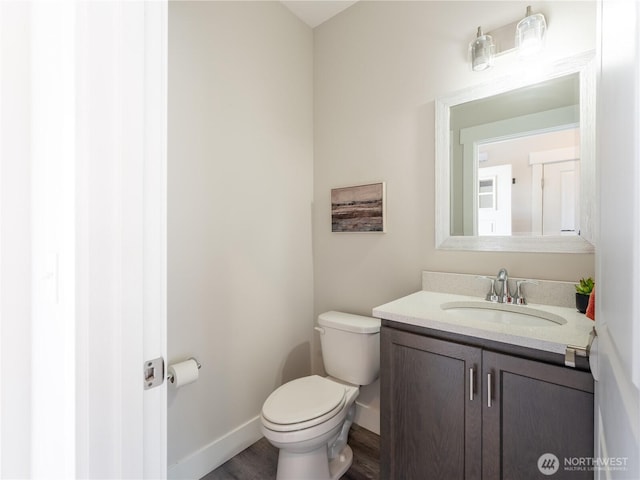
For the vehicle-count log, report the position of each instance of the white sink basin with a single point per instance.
(517, 315)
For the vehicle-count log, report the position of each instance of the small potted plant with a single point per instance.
(583, 290)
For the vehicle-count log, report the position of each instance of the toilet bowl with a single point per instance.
(303, 418)
(309, 418)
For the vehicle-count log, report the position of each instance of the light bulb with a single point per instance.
(530, 33)
(482, 51)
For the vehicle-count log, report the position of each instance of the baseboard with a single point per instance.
(368, 407)
(368, 416)
(208, 458)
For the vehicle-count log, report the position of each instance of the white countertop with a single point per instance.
(422, 309)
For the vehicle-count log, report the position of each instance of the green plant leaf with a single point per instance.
(585, 286)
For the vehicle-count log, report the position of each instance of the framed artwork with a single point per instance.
(359, 208)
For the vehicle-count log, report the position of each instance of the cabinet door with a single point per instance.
(430, 425)
(535, 409)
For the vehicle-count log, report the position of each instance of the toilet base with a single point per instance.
(313, 465)
(339, 465)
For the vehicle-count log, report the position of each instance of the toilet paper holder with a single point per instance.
(170, 375)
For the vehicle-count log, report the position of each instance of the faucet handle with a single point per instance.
(518, 299)
(491, 295)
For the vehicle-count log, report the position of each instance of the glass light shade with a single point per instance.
(482, 51)
(530, 33)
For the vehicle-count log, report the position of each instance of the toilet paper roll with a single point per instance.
(183, 373)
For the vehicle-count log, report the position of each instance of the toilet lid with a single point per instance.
(303, 399)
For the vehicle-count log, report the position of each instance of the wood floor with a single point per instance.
(259, 461)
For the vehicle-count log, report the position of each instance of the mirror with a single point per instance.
(515, 162)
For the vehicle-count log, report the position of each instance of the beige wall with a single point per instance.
(239, 204)
(378, 68)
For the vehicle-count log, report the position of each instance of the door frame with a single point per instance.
(615, 358)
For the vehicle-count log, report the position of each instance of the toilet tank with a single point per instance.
(350, 346)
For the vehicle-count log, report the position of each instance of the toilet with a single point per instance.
(309, 418)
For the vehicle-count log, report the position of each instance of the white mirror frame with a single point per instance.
(584, 243)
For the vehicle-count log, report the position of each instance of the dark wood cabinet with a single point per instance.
(452, 410)
(430, 427)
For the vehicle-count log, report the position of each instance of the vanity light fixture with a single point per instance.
(482, 50)
(530, 33)
(526, 37)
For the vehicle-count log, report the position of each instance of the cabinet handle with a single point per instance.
(471, 375)
(489, 390)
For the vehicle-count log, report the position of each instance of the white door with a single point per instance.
(494, 200)
(560, 194)
(82, 238)
(121, 137)
(617, 408)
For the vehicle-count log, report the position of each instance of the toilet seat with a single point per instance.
(303, 403)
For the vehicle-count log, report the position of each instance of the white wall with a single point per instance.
(240, 166)
(378, 68)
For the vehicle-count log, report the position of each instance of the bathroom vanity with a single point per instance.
(469, 399)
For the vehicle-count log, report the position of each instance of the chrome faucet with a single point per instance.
(503, 292)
